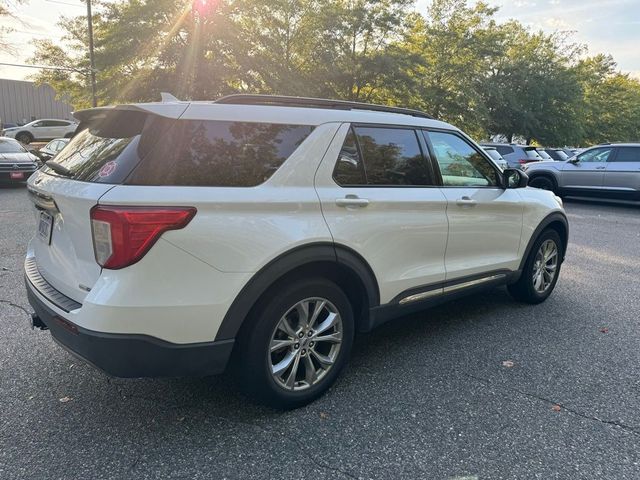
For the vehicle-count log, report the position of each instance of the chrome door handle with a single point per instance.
(600, 168)
(466, 202)
(352, 201)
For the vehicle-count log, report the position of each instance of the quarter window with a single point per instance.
(392, 156)
(349, 168)
(628, 154)
(460, 164)
(504, 150)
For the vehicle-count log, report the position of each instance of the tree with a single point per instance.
(532, 91)
(611, 104)
(6, 11)
(451, 50)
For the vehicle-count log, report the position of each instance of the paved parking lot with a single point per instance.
(481, 388)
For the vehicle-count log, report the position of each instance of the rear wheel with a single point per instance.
(543, 183)
(24, 137)
(298, 340)
(541, 270)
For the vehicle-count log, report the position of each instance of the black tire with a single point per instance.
(542, 182)
(524, 290)
(253, 361)
(24, 137)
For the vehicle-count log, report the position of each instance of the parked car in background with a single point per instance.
(516, 155)
(8, 125)
(496, 157)
(606, 171)
(16, 163)
(52, 148)
(263, 232)
(42, 130)
(557, 154)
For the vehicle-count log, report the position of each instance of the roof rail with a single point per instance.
(285, 101)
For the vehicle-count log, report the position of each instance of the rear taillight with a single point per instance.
(123, 235)
(522, 161)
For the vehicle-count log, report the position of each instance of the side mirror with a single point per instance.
(574, 160)
(514, 178)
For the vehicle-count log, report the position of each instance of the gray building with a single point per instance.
(22, 102)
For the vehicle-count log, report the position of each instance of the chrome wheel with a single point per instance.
(545, 266)
(305, 344)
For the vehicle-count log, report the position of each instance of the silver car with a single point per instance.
(496, 157)
(605, 171)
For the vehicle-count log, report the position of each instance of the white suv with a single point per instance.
(39, 130)
(262, 233)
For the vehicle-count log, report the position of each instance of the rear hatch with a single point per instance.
(107, 148)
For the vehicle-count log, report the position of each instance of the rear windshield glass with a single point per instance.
(137, 148)
(532, 153)
(493, 154)
(544, 155)
(107, 150)
(220, 154)
(7, 146)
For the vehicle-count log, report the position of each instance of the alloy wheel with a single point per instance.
(305, 344)
(545, 266)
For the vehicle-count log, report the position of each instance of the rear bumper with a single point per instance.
(130, 356)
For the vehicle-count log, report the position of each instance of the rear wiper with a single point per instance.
(56, 167)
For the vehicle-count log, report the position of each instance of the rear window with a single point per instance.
(532, 153)
(141, 149)
(493, 153)
(219, 154)
(504, 150)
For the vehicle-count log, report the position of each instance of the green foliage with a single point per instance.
(452, 60)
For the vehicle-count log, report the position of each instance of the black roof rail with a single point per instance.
(285, 101)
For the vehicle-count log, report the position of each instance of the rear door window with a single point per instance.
(628, 154)
(392, 157)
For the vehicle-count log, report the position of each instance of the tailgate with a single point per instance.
(67, 262)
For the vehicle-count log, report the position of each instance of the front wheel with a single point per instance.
(541, 270)
(298, 340)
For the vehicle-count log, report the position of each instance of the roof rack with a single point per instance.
(285, 101)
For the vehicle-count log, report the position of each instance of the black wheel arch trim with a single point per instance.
(286, 263)
(542, 226)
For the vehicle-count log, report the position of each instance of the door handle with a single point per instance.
(352, 201)
(600, 168)
(466, 202)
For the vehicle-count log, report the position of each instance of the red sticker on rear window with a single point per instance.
(107, 169)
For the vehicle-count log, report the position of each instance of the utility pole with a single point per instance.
(94, 99)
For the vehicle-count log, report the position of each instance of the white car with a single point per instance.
(42, 130)
(261, 233)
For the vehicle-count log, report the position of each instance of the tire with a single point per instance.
(529, 288)
(24, 137)
(543, 183)
(257, 366)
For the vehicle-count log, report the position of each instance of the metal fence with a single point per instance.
(23, 102)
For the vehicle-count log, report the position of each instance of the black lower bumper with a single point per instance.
(129, 356)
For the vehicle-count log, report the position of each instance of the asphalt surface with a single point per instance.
(428, 396)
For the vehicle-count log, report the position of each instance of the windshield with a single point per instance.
(544, 155)
(562, 155)
(7, 146)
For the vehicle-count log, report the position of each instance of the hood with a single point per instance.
(17, 157)
(12, 129)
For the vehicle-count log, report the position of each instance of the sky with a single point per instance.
(605, 26)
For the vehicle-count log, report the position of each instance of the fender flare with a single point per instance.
(548, 220)
(286, 263)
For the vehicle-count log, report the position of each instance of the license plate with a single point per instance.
(44, 227)
(17, 176)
